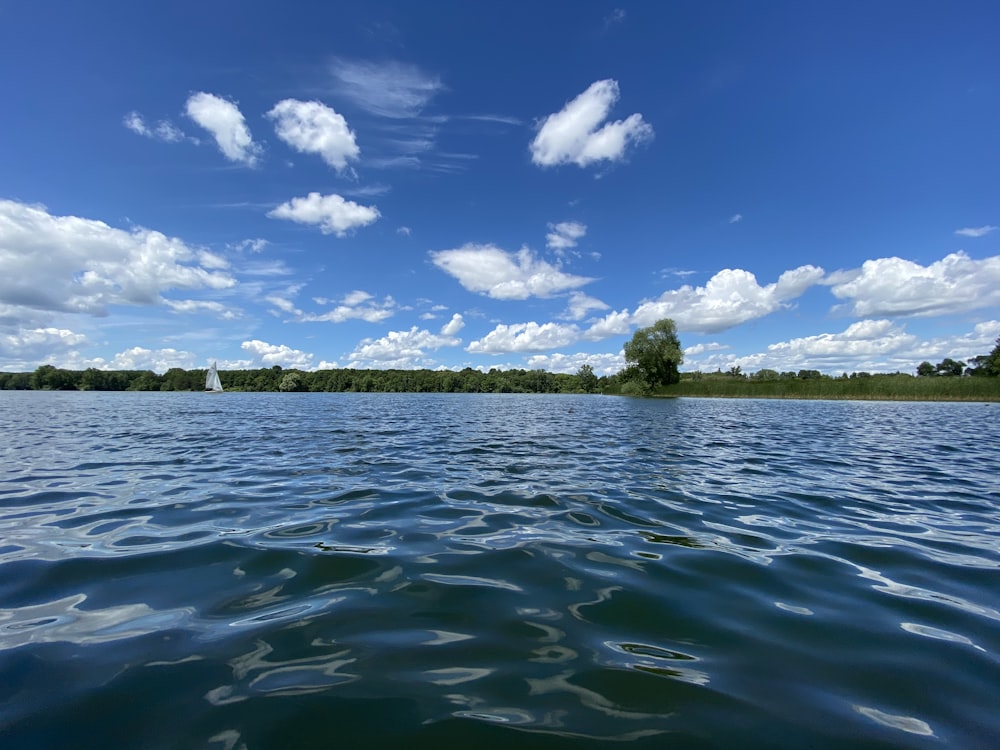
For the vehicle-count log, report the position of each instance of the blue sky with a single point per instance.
(513, 185)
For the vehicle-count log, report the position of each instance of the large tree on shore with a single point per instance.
(655, 352)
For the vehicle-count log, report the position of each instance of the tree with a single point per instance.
(925, 369)
(656, 353)
(950, 367)
(587, 379)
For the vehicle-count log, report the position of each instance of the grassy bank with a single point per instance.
(875, 388)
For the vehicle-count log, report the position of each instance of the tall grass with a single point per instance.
(875, 388)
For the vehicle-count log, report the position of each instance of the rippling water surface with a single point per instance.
(352, 570)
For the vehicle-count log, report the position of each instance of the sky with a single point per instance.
(441, 185)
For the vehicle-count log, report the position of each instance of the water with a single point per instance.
(428, 571)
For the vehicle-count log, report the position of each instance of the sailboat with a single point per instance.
(212, 382)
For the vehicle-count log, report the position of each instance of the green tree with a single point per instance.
(925, 369)
(586, 378)
(990, 363)
(950, 367)
(656, 353)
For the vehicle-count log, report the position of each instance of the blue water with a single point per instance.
(430, 571)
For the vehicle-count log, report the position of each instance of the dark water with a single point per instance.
(428, 571)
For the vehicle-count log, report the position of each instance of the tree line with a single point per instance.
(276, 378)
(653, 357)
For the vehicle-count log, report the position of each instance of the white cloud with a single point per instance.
(388, 89)
(405, 349)
(282, 303)
(195, 306)
(580, 304)
(897, 287)
(163, 131)
(736, 218)
(269, 355)
(730, 297)
(357, 297)
(357, 305)
(865, 346)
(976, 231)
(713, 346)
(488, 270)
(71, 264)
(405, 231)
(564, 235)
(314, 128)
(24, 348)
(616, 323)
(254, 246)
(525, 337)
(864, 338)
(575, 134)
(223, 119)
(603, 364)
(453, 326)
(331, 213)
(157, 360)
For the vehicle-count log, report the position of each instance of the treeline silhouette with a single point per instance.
(48, 377)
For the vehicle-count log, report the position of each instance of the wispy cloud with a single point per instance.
(736, 218)
(387, 88)
(564, 235)
(976, 231)
(164, 130)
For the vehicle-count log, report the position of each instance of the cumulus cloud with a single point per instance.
(453, 326)
(603, 364)
(564, 235)
(388, 89)
(268, 355)
(71, 264)
(223, 119)
(525, 337)
(897, 287)
(616, 323)
(730, 297)
(157, 360)
(575, 134)
(406, 349)
(488, 270)
(164, 130)
(975, 231)
(314, 128)
(862, 339)
(22, 349)
(331, 213)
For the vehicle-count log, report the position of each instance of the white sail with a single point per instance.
(212, 382)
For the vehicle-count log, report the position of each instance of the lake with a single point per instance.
(275, 570)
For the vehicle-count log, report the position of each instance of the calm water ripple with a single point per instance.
(353, 570)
